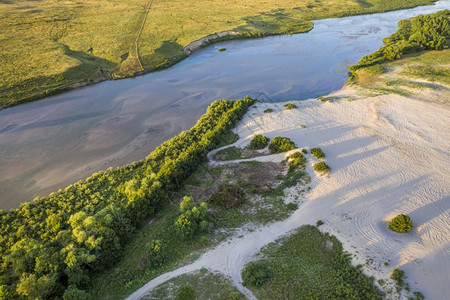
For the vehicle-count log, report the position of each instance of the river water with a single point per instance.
(47, 144)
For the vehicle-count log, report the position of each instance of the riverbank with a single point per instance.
(75, 48)
(388, 154)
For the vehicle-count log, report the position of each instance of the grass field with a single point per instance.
(307, 263)
(205, 284)
(426, 72)
(50, 46)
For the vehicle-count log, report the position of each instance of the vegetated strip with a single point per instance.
(136, 42)
(51, 248)
(424, 32)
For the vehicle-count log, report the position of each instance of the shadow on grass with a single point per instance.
(89, 69)
(273, 22)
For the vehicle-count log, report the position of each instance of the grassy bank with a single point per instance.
(59, 45)
(53, 247)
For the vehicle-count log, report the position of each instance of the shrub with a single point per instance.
(185, 293)
(258, 142)
(398, 276)
(281, 144)
(304, 151)
(256, 274)
(222, 49)
(401, 223)
(269, 110)
(321, 167)
(290, 106)
(155, 253)
(228, 196)
(418, 296)
(292, 206)
(296, 160)
(324, 99)
(319, 223)
(192, 218)
(317, 153)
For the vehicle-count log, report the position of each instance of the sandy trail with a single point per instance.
(389, 155)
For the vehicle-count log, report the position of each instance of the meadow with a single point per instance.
(51, 46)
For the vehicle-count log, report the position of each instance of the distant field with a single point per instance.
(49, 46)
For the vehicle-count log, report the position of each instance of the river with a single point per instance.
(48, 144)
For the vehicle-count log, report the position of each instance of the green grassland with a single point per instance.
(307, 263)
(205, 284)
(50, 46)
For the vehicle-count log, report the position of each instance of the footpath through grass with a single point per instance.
(51, 46)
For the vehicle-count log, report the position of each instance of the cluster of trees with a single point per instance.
(424, 32)
(192, 218)
(258, 142)
(281, 144)
(51, 248)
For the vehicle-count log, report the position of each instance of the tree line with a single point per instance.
(424, 32)
(50, 248)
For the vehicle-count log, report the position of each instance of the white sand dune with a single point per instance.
(389, 155)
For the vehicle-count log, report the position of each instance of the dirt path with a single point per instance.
(230, 257)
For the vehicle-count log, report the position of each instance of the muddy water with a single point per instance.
(48, 144)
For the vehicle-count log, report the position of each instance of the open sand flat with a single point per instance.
(389, 155)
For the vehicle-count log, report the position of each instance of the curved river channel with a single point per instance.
(51, 143)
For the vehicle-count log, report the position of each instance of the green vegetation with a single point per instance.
(311, 264)
(230, 153)
(185, 293)
(269, 110)
(321, 166)
(398, 276)
(290, 106)
(52, 247)
(324, 99)
(256, 274)
(424, 32)
(319, 223)
(304, 151)
(401, 223)
(281, 144)
(429, 65)
(258, 142)
(192, 219)
(52, 46)
(228, 196)
(204, 284)
(221, 49)
(317, 153)
(295, 161)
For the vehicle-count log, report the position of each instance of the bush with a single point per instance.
(290, 106)
(398, 276)
(296, 160)
(317, 153)
(321, 167)
(228, 196)
(269, 110)
(304, 151)
(401, 223)
(258, 142)
(222, 49)
(281, 144)
(185, 293)
(256, 274)
(319, 223)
